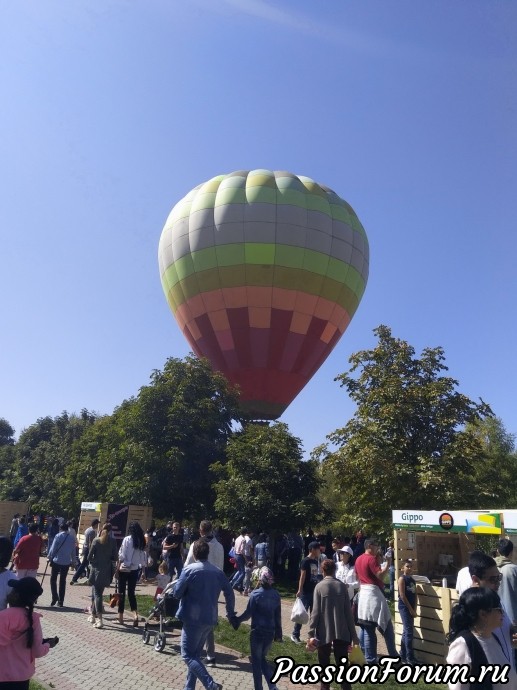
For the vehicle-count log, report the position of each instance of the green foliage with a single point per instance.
(409, 443)
(32, 470)
(6, 433)
(496, 474)
(265, 483)
(157, 448)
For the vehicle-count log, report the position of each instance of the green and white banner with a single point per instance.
(473, 522)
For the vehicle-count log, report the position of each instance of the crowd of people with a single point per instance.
(340, 582)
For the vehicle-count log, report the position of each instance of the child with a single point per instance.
(266, 625)
(407, 610)
(21, 639)
(162, 579)
(246, 583)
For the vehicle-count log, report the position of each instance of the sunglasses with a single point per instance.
(495, 579)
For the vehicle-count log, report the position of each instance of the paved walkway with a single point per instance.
(115, 658)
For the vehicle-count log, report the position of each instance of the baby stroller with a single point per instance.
(166, 607)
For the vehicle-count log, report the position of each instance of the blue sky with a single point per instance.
(112, 111)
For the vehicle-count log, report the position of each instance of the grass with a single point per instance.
(238, 640)
(34, 685)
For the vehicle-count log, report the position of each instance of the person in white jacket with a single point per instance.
(131, 558)
(346, 572)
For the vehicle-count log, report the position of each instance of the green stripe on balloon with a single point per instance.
(281, 277)
(278, 255)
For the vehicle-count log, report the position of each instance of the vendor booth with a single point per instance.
(8, 510)
(439, 542)
(120, 515)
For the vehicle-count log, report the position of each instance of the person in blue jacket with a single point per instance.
(60, 557)
(264, 609)
(198, 589)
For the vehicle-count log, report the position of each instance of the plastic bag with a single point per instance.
(356, 656)
(299, 613)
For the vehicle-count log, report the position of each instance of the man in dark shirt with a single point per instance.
(173, 545)
(308, 581)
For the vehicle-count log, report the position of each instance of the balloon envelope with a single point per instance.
(263, 272)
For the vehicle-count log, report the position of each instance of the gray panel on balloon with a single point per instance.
(318, 241)
(343, 231)
(259, 232)
(204, 218)
(319, 221)
(341, 250)
(228, 233)
(202, 239)
(262, 213)
(285, 213)
(293, 235)
(228, 213)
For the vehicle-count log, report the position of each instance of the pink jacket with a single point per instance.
(16, 659)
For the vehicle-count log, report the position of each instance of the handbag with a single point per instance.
(356, 656)
(115, 597)
(299, 612)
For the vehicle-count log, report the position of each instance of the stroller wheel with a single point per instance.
(159, 642)
(146, 637)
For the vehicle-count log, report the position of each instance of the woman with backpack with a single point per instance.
(472, 642)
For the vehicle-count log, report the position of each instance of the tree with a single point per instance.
(408, 444)
(157, 448)
(40, 457)
(6, 433)
(265, 483)
(496, 475)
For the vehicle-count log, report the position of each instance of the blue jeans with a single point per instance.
(260, 644)
(193, 637)
(370, 642)
(83, 568)
(237, 579)
(406, 644)
(392, 582)
(307, 602)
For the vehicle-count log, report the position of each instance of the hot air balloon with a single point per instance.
(263, 272)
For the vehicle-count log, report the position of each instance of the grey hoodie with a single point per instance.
(508, 588)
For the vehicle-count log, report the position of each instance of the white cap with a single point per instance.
(346, 549)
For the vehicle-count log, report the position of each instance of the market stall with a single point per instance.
(8, 510)
(120, 515)
(438, 544)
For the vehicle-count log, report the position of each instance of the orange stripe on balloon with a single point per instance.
(328, 332)
(213, 300)
(300, 323)
(259, 317)
(343, 323)
(219, 320)
(194, 330)
(323, 308)
(306, 303)
(259, 296)
(196, 305)
(284, 299)
(279, 298)
(235, 298)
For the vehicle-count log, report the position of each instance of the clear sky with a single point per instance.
(112, 111)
